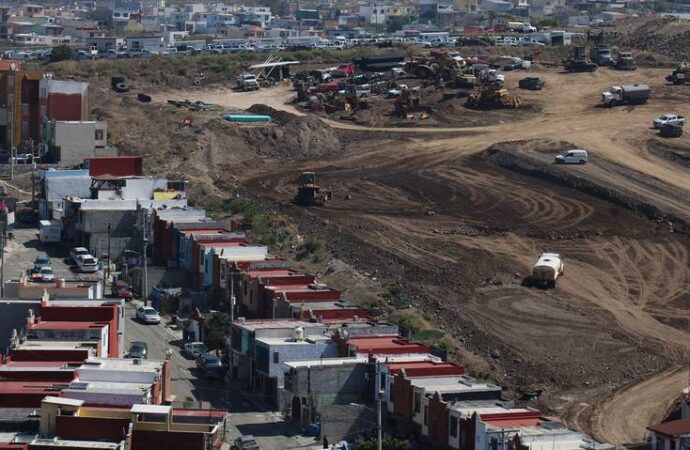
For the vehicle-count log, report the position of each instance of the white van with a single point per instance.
(572, 157)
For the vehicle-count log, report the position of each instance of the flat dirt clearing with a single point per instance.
(458, 219)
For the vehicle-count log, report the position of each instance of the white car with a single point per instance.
(77, 252)
(669, 119)
(572, 157)
(87, 263)
(44, 274)
(147, 314)
(195, 349)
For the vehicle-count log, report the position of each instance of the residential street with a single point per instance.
(247, 416)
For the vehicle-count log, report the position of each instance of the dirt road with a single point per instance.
(459, 227)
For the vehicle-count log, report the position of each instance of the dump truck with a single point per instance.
(547, 269)
(627, 94)
(625, 61)
(600, 55)
(309, 193)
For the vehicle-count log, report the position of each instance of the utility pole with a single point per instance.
(379, 425)
(144, 244)
(106, 269)
(2, 263)
(232, 295)
(13, 156)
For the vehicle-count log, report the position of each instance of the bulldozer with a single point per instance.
(489, 96)
(309, 193)
(439, 63)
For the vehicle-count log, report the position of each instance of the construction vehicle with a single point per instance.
(627, 94)
(625, 61)
(409, 102)
(600, 55)
(681, 74)
(309, 193)
(531, 83)
(578, 61)
(439, 63)
(489, 96)
(547, 269)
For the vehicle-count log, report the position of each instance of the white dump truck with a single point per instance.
(547, 269)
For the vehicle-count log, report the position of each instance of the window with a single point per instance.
(383, 381)
(426, 415)
(99, 135)
(276, 357)
(453, 426)
(417, 402)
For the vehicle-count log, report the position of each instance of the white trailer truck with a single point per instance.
(547, 269)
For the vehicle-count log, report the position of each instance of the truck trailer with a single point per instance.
(627, 94)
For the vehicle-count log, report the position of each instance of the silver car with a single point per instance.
(148, 315)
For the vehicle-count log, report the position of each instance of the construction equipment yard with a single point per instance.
(455, 209)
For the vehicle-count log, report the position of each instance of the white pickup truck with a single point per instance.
(669, 119)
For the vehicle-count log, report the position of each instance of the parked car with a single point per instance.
(120, 288)
(194, 349)
(148, 315)
(246, 442)
(572, 157)
(210, 365)
(87, 263)
(580, 65)
(138, 349)
(41, 261)
(44, 274)
(77, 252)
(669, 119)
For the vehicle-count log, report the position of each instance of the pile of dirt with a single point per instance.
(279, 117)
(665, 35)
(297, 139)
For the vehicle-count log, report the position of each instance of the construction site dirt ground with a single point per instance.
(457, 216)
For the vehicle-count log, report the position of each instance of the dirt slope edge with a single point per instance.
(502, 156)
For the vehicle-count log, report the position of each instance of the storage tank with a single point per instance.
(299, 333)
(547, 268)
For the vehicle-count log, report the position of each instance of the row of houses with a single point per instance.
(65, 384)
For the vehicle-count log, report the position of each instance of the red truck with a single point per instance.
(344, 70)
(331, 86)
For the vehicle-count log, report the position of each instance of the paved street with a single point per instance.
(246, 414)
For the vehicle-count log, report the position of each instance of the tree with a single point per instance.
(216, 327)
(60, 53)
(395, 23)
(388, 443)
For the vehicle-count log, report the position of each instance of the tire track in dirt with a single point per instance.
(603, 323)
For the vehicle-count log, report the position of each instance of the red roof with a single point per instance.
(265, 273)
(674, 428)
(513, 419)
(426, 368)
(199, 413)
(209, 231)
(43, 364)
(392, 345)
(221, 243)
(65, 325)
